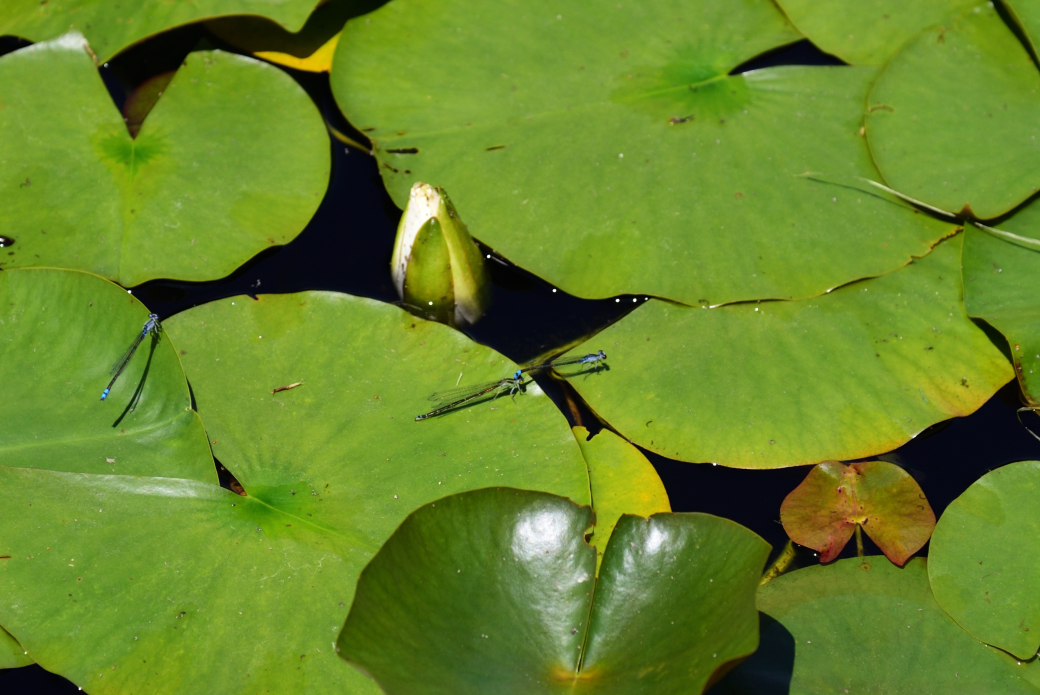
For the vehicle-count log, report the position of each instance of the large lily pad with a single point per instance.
(60, 332)
(867, 33)
(622, 480)
(330, 467)
(983, 560)
(863, 625)
(1000, 287)
(512, 605)
(952, 119)
(112, 27)
(233, 159)
(848, 375)
(605, 148)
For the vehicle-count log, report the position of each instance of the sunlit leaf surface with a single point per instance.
(863, 625)
(11, 653)
(1000, 287)
(823, 511)
(159, 567)
(848, 375)
(112, 26)
(983, 559)
(605, 147)
(511, 605)
(622, 482)
(867, 33)
(952, 119)
(60, 332)
(233, 159)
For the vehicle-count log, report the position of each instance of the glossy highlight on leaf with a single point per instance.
(622, 480)
(823, 511)
(983, 561)
(848, 375)
(607, 149)
(329, 469)
(232, 159)
(512, 604)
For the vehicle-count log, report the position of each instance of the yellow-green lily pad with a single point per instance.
(233, 159)
(848, 375)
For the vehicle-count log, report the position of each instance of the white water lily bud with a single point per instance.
(437, 268)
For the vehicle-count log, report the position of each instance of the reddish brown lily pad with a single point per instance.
(825, 509)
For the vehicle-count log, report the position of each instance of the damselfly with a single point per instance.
(150, 326)
(467, 394)
(584, 360)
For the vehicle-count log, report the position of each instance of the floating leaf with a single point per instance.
(983, 561)
(1000, 287)
(867, 33)
(494, 591)
(233, 159)
(205, 577)
(951, 120)
(622, 482)
(319, 61)
(847, 375)
(60, 332)
(823, 511)
(111, 27)
(1027, 15)
(863, 625)
(606, 148)
(11, 653)
(255, 34)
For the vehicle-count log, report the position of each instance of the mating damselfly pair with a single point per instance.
(459, 397)
(152, 326)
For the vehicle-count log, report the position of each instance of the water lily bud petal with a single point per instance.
(437, 268)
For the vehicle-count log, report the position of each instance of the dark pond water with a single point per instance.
(347, 246)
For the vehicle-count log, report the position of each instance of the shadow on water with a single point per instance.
(767, 671)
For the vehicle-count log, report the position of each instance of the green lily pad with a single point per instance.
(11, 653)
(983, 563)
(1027, 15)
(952, 119)
(606, 148)
(847, 375)
(1000, 287)
(863, 625)
(233, 159)
(330, 466)
(623, 481)
(867, 33)
(111, 27)
(823, 511)
(60, 332)
(512, 605)
(257, 34)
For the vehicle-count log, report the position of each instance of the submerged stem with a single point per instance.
(780, 565)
